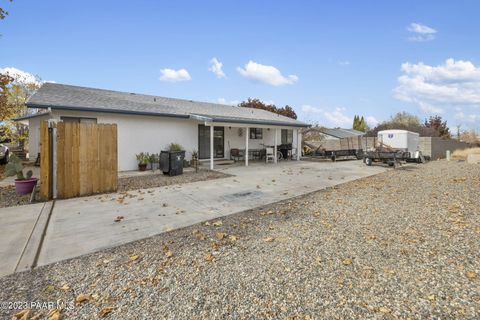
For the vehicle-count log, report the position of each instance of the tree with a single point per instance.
(406, 119)
(5, 110)
(254, 103)
(435, 122)
(3, 13)
(359, 124)
(16, 87)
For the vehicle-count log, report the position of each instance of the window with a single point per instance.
(287, 136)
(78, 120)
(256, 133)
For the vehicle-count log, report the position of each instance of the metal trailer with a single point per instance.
(393, 158)
(335, 154)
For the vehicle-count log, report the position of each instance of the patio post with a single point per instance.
(247, 135)
(275, 146)
(299, 144)
(211, 147)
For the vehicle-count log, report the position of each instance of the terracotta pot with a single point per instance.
(25, 186)
(142, 167)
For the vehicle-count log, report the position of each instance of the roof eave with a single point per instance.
(130, 112)
(262, 122)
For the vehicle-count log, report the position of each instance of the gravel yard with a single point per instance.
(10, 198)
(402, 244)
(160, 180)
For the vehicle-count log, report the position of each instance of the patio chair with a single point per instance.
(235, 154)
(293, 153)
(269, 155)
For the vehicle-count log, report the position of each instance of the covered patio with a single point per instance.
(245, 142)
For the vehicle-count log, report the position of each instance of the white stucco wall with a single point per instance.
(152, 134)
(34, 136)
(143, 134)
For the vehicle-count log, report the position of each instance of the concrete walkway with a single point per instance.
(21, 231)
(84, 225)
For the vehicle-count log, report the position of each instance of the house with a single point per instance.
(149, 123)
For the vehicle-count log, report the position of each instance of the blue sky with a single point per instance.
(329, 60)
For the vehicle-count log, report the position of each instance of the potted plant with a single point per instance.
(24, 184)
(194, 161)
(154, 159)
(171, 160)
(142, 159)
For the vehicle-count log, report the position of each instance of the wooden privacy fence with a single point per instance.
(77, 159)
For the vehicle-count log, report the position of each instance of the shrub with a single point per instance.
(15, 167)
(143, 158)
(175, 147)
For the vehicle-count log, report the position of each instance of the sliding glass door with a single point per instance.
(204, 142)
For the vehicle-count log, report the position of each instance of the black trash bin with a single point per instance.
(171, 162)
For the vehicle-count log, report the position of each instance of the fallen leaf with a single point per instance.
(217, 223)
(210, 257)
(81, 298)
(65, 287)
(384, 310)
(221, 235)
(347, 262)
(233, 238)
(118, 218)
(24, 314)
(105, 311)
(54, 314)
(133, 257)
(268, 239)
(169, 254)
(471, 275)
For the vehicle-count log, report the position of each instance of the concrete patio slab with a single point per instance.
(84, 225)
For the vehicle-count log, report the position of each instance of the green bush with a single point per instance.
(175, 147)
(143, 158)
(15, 167)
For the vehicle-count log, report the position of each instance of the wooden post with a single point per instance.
(247, 136)
(45, 162)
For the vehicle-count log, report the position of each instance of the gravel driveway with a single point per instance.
(402, 244)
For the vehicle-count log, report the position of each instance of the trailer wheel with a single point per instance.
(391, 163)
(334, 158)
(368, 161)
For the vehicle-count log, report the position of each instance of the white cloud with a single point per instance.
(172, 75)
(344, 63)
(421, 32)
(437, 89)
(216, 68)
(309, 109)
(267, 74)
(470, 118)
(338, 118)
(228, 102)
(21, 77)
(372, 121)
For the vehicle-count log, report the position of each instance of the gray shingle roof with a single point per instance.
(342, 133)
(61, 96)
